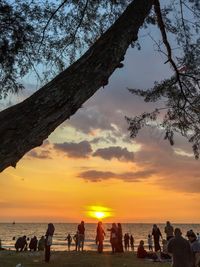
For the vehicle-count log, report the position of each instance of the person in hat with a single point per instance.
(180, 250)
(195, 246)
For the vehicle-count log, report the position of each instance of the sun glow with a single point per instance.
(99, 212)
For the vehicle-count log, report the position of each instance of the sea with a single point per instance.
(9, 232)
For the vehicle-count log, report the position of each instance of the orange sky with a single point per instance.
(43, 189)
(90, 160)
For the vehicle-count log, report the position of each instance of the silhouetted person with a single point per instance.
(75, 237)
(33, 244)
(48, 241)
(195, 247)
(69, 241)
(150, 242)
(41, 244)
(81, 235)
(113, 237)
(180, 250)
(126, 241)
(100, 237)
(142, 253)
(156, 236)
(119, 238)
(169, 230)
(21, 244)
(1, 246)
(132, 242)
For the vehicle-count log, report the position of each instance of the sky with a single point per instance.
(90, 160)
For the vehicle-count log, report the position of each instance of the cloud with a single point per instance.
(98, 176)
(44, 154)
(177, 172)
(117, 152)
(74, 150)
(90, 119)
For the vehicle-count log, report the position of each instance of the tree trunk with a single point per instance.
(25, 125)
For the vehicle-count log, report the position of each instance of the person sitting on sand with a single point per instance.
(180, 250)
(100, 237)
(33, 244)
(41, 244)
(142, 253)
(21, 244)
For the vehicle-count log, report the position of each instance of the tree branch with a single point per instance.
(167, 45)
(47, 24)
(25, 125)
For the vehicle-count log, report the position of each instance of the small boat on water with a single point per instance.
(13, 222)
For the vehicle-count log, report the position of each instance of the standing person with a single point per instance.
(41, 244)
(81, 236)
(113, 237)
(132, 241)
(126, 241)
(156, 236)
(169, 231)
(69, 241)
(180, 250)
(48, 241)
(195, 246)
(150, 242)
(119, 238)
(75, 237)
(100, 237)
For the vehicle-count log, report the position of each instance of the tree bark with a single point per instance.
(25, 125)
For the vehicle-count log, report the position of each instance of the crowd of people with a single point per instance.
(21, 244)
(183, 252)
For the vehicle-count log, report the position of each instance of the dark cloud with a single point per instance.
(43, 154)
(175, 172)
(117, 152)
(98, 176)
(88, 119)
(75, 150)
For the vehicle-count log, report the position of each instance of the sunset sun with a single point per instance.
(99, 212)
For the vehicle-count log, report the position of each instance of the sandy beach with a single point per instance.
(75, 259)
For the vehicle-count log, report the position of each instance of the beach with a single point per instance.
(75, 259)
(140, 231)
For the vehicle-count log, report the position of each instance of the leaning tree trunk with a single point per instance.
(25, 125)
